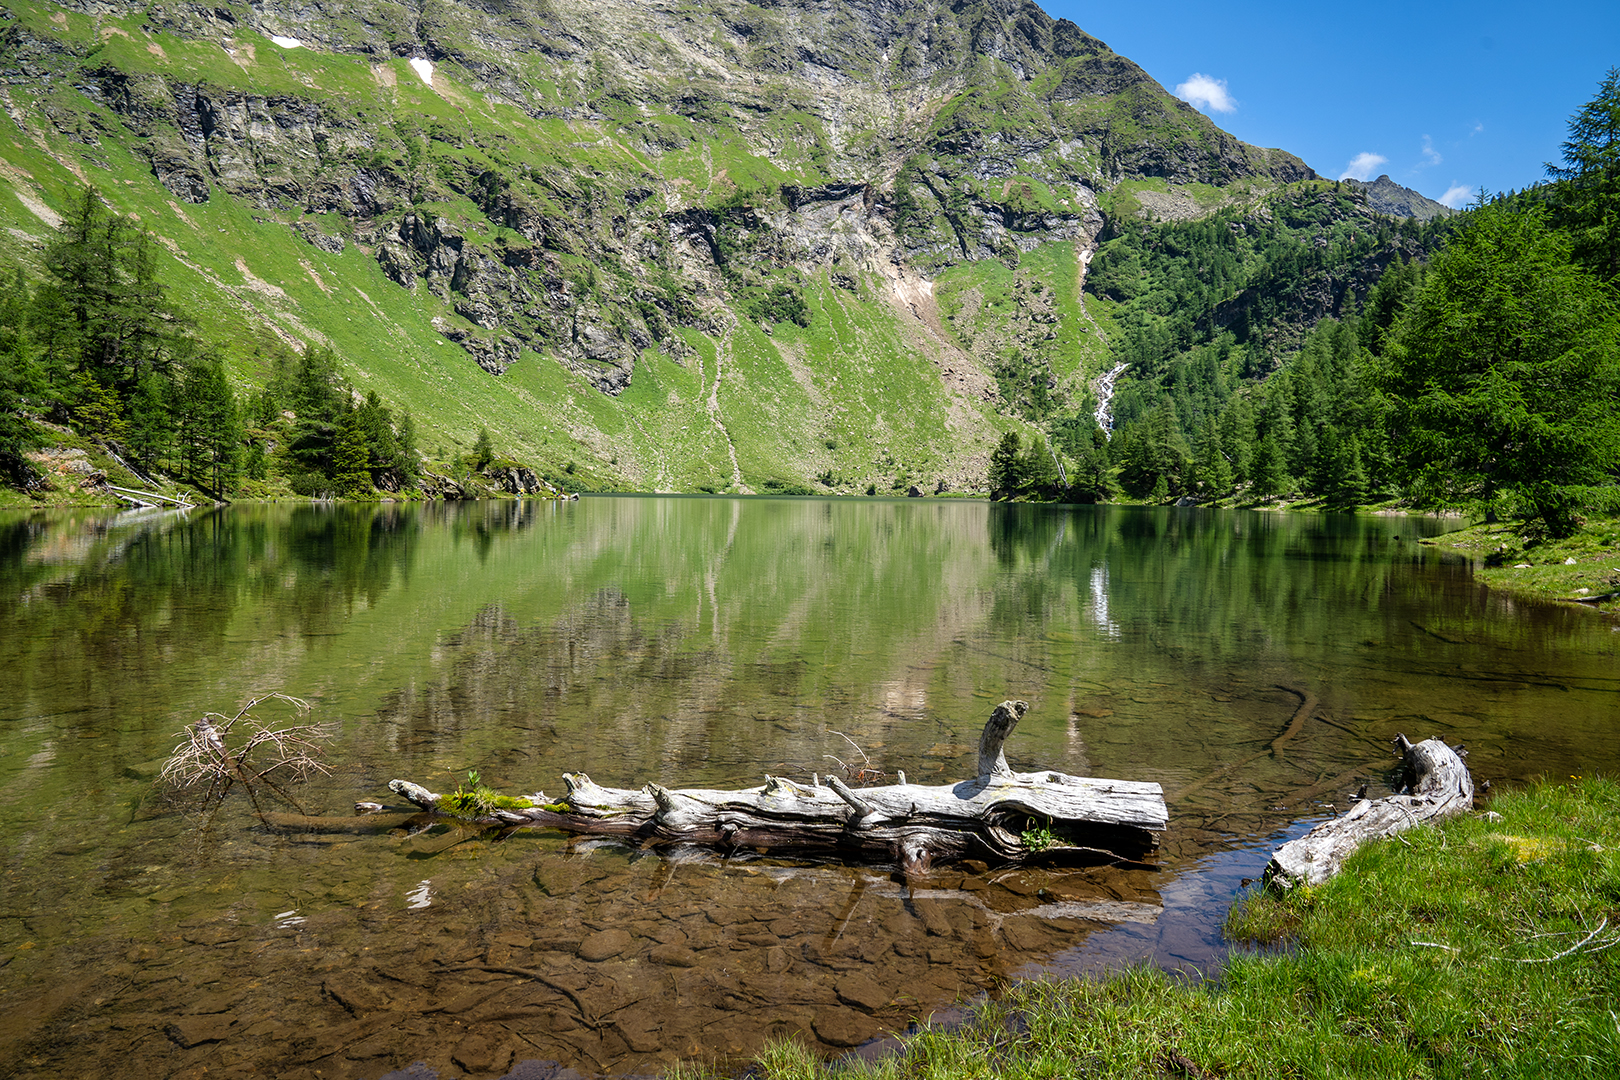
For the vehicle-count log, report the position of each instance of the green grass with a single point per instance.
(1516, 559)
(1434, 955)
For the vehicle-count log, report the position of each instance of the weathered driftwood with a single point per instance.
(1000, 815)
(1435, 785)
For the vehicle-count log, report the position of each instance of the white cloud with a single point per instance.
(1478, 127)
(1362, 166)
(1205, 92)
(1456, 196)
(1431, 156)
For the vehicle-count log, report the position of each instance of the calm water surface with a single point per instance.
(688, 642)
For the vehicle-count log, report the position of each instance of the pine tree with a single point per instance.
(483, 451)
(1586, 199)
(1091, 479)
(1211, 471)
(102, 309)
(19, 379)
(1269, 473)
(1038, 472)
(319, 393)
(1006, 470)
(150, 437)
(1345, 486)
(405, 459)
(1505, 373)
(209, 428)
(377, 427)
(349, 456)
(255, 465)
(319, 399)
(97, 413)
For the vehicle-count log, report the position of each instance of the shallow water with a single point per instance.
(690, 642)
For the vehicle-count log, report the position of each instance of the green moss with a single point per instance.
(473, 799)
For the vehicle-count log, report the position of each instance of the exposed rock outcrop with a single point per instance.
(930, 137)
(1387, 197)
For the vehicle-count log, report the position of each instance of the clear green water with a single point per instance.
(687, 641)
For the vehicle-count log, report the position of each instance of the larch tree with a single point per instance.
(1586, 197)
(1504, 374)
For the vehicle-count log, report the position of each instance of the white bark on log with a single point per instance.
(1000, 815)
(1436, 785)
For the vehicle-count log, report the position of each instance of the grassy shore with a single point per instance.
(1487, 947)
(1585, 565)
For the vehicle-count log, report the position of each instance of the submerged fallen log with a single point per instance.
(999, 816)
(1435, 785)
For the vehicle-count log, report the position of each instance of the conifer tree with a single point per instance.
(150, 436)
(1211, 470)
(377, 428)
(405, 443)
(19, 378)
(1268, 475)
(209, 428)
(102, 309)
(349, 456)
(1006, 476)
(1586, 199)
(319, 399)
(1090, 480)
(96, 410)
(1345, 485)
(1505, 373)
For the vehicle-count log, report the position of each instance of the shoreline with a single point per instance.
(1582, 570)
(1416, 961)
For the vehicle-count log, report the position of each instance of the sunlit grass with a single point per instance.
(1486, 947)
(1518, 560)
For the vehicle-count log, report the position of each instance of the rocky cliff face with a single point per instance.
(1385, 196)
(914, 134)
(617, 183)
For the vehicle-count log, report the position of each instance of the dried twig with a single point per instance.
(1579, 946)
(1575, 948)
(867, 773)
(208, 754)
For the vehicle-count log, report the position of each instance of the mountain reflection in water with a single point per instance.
(688, 642)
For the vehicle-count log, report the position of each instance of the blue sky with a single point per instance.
(1452, 96)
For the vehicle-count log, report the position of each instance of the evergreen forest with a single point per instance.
(1480, 371)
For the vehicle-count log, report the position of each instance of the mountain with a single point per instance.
(806, 245)
(1385, 196)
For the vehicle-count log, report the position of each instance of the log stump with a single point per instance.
(1435, 785)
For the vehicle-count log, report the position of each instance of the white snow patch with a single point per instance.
(424, 68)
(286, 42)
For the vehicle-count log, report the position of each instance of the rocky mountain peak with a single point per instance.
(1385, 196)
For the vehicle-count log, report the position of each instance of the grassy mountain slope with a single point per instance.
(705, 246)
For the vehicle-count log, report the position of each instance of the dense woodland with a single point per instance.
(1480, 371)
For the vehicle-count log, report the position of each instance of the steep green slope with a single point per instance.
(706, 246)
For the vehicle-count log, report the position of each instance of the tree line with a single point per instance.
(98, 346)
(1484, 375)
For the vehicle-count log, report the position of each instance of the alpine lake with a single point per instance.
(691, 642)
